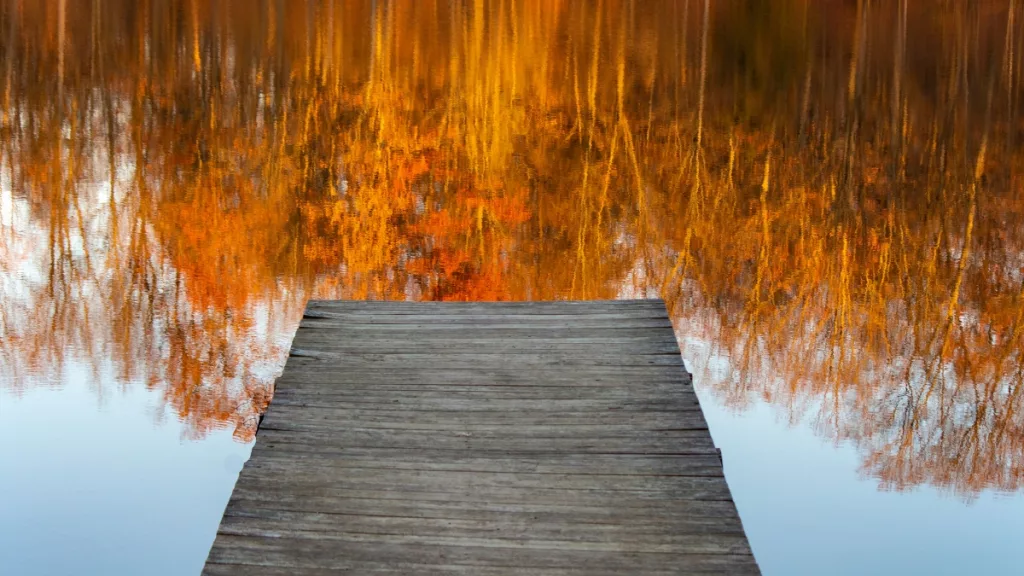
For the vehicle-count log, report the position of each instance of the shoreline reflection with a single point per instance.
(827, 193)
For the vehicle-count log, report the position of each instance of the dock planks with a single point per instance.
(558, 438)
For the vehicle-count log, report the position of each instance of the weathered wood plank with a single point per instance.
(558, 438)
(471, 506)
(468, 391)
(565, 390)
(314, 417)
(502, 372)
(497, 405)
(540, 307)
(452, 532)
(482, 324)
(356, 567)
(662, 442)
(316, 370)
(647, 513)
(508, 525)
(348, 554)
(483, 431)
(627, 464)
(214, 569)
(484, 316)
(554, 377)
(504, 333)
(331, 360)
(448, 347)
(316, 476)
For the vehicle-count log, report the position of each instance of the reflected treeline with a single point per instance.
(826, 194)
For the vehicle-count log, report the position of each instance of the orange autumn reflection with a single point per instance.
(826, 194)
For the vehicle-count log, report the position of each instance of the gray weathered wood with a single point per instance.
(559, 438)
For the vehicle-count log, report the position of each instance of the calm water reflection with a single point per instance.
(827, 194)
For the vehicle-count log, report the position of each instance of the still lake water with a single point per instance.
(828, 195)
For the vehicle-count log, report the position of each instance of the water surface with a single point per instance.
(828, 195)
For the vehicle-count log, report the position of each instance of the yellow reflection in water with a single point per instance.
(827, 194)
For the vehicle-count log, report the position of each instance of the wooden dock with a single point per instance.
(482, 439)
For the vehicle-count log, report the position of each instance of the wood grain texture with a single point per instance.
(550, 438)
